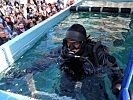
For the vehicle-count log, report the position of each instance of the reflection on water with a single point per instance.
(114, 30)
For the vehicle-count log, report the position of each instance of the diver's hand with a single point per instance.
(116, 89)
(131, 94)
(64, 52)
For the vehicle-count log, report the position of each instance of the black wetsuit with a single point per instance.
(97, 73)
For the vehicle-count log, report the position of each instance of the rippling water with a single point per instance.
(114, 30)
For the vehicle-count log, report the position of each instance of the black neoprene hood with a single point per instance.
(74, 36)
(76, 32)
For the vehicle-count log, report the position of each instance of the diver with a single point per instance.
(85, 67)
(88, 71)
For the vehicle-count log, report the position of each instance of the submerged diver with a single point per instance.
(85, 67)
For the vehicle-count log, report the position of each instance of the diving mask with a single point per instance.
(73, 46)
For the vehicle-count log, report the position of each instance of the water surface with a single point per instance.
(114, 30)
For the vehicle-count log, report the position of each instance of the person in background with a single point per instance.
(8, 3)
(9, 22)
(21, 28)
(4, 36)
(2, 20)
(7, 28)
(71, 2)
(15, 27)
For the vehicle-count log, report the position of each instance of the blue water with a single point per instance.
(114, 30)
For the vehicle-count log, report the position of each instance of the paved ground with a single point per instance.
(107, 4)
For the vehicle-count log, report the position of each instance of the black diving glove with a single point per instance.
(64, 52)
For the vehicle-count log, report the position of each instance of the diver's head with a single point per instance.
(75, 38)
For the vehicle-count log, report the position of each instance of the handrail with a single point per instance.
(124, 94)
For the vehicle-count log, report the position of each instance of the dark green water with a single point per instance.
(114, 30)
